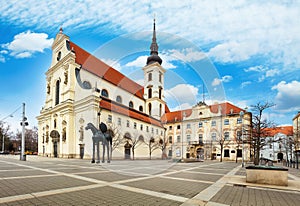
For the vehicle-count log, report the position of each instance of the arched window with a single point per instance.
(150, 77)
(131, 104)
(149, 108)
(160, 92)
(119, 99)
(141, 108)
(57, 85)
(150, 93)
(104, 93)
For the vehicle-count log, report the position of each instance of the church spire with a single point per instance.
(154, 49)
(154, 46)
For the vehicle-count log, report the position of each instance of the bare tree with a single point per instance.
(135, 141)
(117, 137)
(162, 144)
(260, 126)
(152, 146)
(5, 135)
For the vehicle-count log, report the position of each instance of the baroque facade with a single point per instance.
(81, 89)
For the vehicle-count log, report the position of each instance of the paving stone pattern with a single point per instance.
(54, 181)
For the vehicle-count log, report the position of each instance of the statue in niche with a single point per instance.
(48, 88)
(64, 135)
(47, 137)
(66, 77)
(81, 135)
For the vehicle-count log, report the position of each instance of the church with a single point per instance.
(82, 89)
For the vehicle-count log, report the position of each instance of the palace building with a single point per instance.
(82, 89)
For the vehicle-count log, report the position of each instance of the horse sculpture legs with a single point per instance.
(98, 153)
(108, 153)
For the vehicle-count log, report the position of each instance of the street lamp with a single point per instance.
(23, 124)
(242, 116)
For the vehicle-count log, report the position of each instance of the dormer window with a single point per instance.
(58, 56)
(104, 93)
(131, 104)
(119, 99)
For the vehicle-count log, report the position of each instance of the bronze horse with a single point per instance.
(100, 136)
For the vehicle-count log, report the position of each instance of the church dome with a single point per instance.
(154, 58)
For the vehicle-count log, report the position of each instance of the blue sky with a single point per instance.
(243, 52)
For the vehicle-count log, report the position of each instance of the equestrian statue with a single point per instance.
(103, 136)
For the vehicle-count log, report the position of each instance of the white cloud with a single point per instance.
(27, 43)
(141, 62)
(263, 71)
(229, 52)
(288, 94)
(138, 62)
(226, 78)
(182, 107)
(272, 72)
(258, 68)
(113, 63)
(244, 84)
(187, 55)
(238, 30)
(182, 93)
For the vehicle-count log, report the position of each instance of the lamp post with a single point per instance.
(242, 115)
(23, 124)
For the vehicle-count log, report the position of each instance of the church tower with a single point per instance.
(154, 81)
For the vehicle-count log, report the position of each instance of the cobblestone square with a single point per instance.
(51, 181)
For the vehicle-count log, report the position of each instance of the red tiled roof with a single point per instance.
(175, 116)
(271, 132)
(102, 70)
(121, 109)
(226, 108)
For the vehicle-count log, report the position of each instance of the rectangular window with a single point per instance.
(127, 123)
(226, 153)
(152, 130)
(109, 119)
(147, 128)
(213, 123)
(170, 127)
(271, 146)
(213, 136)
(134, 125)
(119, 121)
(200, 137)
(170, 139)
(178, 138)
(141, 127)
(239, 120)
(226, 135)
(188, 126)
(188, 137)
(226, 121)
(200, 124)
(156, 131)
(178, 126)
(170, 153)
(239, 135)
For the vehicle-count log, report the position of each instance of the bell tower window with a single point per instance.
(150, 77)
